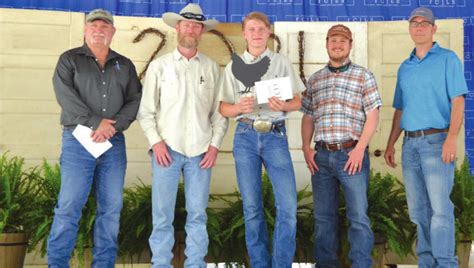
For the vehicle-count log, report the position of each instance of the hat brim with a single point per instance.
(107, 20)
(172, 19)
(341, 33)
(421, 16)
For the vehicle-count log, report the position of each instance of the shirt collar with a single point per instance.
(345, 65)
(85, 50)
(178, 56)
(433, 50)
(251, 58)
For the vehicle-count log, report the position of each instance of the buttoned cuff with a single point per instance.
(94, 122)
(216, 141)
(153, 137)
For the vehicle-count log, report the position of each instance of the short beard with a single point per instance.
(188, 41)
(340, 59)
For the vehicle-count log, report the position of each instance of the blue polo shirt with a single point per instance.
(425, 88)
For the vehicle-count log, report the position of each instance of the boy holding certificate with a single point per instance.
(260, 138)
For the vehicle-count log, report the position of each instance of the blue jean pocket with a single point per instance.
(438, 138)
(279, 132)
(242, 128)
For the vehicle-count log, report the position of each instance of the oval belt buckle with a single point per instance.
(262, 126)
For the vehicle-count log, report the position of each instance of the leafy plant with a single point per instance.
(304, 228)
(388, 213)
(135, 220)
(232, 235)
(462, 196)
(48, 185)
(17, 195)
(233, 224)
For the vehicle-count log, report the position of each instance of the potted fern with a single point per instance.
(462, 196)
(17, 208)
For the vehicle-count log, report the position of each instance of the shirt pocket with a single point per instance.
(205, 91)
(170, 91)
(353, 110)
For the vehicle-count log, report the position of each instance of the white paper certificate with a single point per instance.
(83, 135)
(278, 87)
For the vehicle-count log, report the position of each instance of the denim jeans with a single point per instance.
(428, 183)
(164, 191)
(325, 184)
(79, 171)
(251, 150)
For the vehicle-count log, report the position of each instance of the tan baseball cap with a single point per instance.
(340, 29)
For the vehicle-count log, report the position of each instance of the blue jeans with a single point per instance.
(79, 170)
(164, 191)
(325, 184)
(428, 183)
(251, 150)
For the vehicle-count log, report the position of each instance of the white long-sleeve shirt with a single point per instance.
(180, 104)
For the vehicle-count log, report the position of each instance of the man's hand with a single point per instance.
(162, 156)
(209, 159)
(276, 104)
(309, 154)
(104, 131)
(245, 105)
(389, 156)
(354, 163)
(449, 150)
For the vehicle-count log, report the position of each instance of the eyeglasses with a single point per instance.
(422, 24)
(193, 16)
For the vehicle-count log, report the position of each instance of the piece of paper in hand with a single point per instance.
(278, 87)
(83, 135)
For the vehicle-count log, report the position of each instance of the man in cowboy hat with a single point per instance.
(179, 115)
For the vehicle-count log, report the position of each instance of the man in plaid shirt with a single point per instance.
(341, 108)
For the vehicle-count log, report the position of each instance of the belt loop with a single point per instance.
(422, 133)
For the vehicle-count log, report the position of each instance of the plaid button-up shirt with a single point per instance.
(339, 101)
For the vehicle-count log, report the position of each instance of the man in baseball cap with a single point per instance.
(340, 88)
(339, 29)
(97, 88)
(429, 109)
(100, 14)
(422, 12)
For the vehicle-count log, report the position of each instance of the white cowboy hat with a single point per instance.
(191, 12)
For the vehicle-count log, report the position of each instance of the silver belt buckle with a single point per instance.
(262, 125)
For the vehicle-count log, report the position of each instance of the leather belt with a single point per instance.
(263, 126)
(336, 146)
(424, 132)
(69, 127)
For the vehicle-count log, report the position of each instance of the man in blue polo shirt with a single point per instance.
(429, 107)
